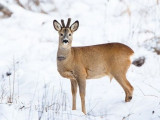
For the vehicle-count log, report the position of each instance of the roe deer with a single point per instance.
(89, 62)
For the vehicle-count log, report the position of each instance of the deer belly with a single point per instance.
(91, 74)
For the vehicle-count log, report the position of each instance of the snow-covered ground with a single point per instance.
(28, 46)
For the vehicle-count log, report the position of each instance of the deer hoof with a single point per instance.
(128, 99)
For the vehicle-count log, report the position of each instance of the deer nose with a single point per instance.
(65, 41)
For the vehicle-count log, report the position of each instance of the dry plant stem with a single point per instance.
(3, 93)
(13, 78)
(29, 116)
(10, 100)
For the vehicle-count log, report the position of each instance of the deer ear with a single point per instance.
(74, 26)
(56, 25)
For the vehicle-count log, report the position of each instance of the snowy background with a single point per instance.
(32, 89)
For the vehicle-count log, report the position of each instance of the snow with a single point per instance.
(28, 48)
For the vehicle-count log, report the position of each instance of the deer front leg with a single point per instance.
(74, 93)
(82, 91)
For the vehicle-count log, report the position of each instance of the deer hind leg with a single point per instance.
(122, 80)
(74, 93)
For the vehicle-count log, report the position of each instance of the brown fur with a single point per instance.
(89, 62)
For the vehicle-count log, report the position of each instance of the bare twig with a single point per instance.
(124, 118)
(147, 95)
(37, 2)
(5, 10)
(152, 87)
(19, 3)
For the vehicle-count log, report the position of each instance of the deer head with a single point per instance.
(65, 32)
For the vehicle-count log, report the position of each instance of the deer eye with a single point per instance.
(69, 34)
(61, 34)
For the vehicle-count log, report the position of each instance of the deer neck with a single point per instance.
(64, 54)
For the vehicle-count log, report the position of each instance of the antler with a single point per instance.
(68, 23)
(62, 21)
